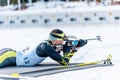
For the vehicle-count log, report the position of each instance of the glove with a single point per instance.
(69, 55)
(81, 43)
(65, 61)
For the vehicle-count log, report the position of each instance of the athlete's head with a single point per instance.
(57, 35)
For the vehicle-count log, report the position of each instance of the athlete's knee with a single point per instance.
(5, 56)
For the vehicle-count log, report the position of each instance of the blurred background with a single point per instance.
(46, 13)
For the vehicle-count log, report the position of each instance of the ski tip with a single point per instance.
(110, 56)
(111, 63)
(108, 60)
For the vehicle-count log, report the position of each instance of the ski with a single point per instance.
(71, 67)
(106, 61)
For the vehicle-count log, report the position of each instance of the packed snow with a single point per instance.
(20, 38)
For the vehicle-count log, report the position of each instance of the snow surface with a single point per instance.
(19, 38)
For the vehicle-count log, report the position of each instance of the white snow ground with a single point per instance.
(19, 38)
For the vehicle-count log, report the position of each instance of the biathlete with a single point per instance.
(57, 43)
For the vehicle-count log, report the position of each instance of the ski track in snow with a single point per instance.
(94, 50)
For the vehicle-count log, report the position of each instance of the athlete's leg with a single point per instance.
(7, 57)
